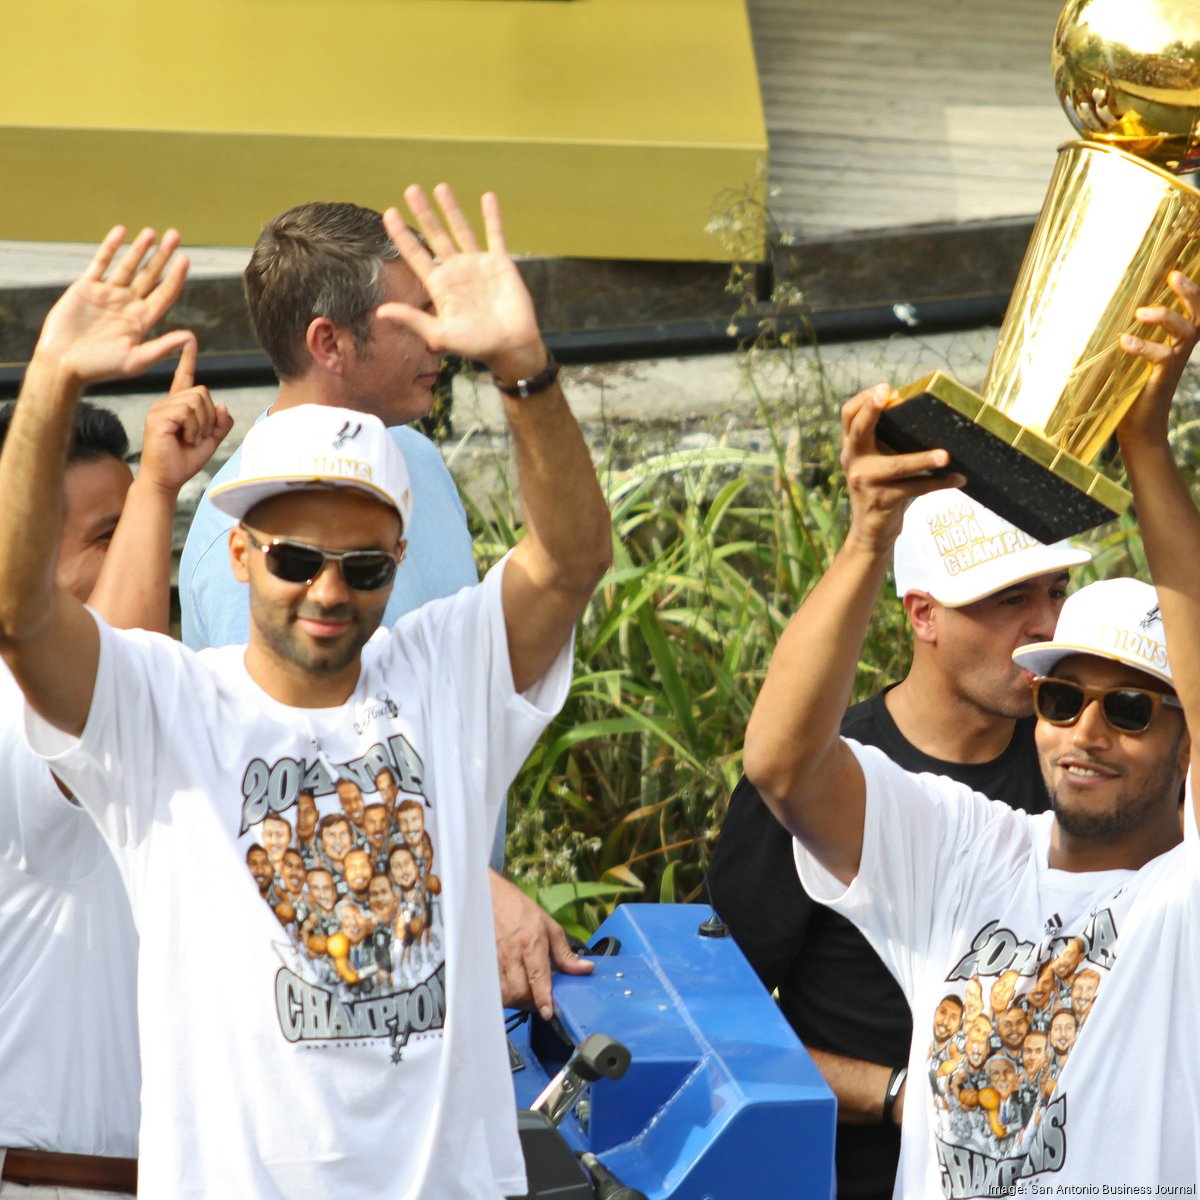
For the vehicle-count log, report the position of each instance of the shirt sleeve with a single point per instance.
(920, 834)
(464, 639)
(114, 767)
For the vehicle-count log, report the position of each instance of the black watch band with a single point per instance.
(890, 1095)
(523, 388)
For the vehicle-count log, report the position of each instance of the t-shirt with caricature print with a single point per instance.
(316, 1029)
(1055, 1036)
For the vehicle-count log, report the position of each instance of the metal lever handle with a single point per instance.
(598, 1056)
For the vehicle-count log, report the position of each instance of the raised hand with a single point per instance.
(183, 429)
(482, 309)
(1149, 418)
(881, 485)
(97, 329)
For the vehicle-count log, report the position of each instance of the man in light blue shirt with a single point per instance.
(316, 276)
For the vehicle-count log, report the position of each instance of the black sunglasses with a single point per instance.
(1126, 709)
(298, 562)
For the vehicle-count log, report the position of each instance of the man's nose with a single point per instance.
(1091, 728)
(1043, 617)
(329, 588)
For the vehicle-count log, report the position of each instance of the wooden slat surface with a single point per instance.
(886, 112)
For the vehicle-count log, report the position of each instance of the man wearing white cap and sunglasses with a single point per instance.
(279, 1059)
(966, 898)
(974, 589)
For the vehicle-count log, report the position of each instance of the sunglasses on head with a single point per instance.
(298, 562)
(1126, 709)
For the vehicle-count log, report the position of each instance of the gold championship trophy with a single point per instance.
(1116, 221)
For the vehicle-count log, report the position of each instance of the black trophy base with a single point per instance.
(1012, 470)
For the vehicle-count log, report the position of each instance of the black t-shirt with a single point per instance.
(833, 988)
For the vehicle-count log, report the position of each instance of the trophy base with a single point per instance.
(1014, 471)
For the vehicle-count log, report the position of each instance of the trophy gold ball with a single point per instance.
(1128, 75)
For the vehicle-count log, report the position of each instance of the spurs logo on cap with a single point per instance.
(345, 434)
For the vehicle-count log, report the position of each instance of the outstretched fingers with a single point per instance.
(129, 262)
(168, 291)
(460, 227)
(432, 230)
(415, 255)
(104, 253)
(492, 224)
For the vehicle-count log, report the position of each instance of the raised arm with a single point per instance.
(182, 431)
(483, 311)
(1167, 514)
(95, 331)
(793, 753)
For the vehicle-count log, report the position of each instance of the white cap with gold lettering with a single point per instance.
(1117, 619)
(958, 551)
(317, 446)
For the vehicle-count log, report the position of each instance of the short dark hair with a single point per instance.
(315, 260)
(98, 433)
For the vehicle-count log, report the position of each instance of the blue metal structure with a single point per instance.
(720, 1101)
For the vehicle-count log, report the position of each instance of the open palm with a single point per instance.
(482, 309)
(97, 329)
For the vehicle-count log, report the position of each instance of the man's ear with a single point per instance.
(922, 610)
(239, 552)
(328, 344)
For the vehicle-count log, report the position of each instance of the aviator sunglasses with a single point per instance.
(297, 562)
(1126, 709)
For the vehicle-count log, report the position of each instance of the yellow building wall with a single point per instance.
(608, 127)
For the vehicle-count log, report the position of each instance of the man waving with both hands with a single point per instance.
(274, 1065)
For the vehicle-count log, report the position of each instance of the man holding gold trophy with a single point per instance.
(1056, 958)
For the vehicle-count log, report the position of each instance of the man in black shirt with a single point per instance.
(974, 589)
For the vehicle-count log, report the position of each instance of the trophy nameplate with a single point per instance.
(1010, 469)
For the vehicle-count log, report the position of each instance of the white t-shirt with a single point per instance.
(68, 1017)
(287, 1050)
(1056, 1034)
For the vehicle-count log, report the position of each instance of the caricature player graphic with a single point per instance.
(377, 827)
(1012, 1026)
(1034, 1063)
(382, 899)
(358, 869)
(260, 867)
(287, 894)
(307, 817)
(276, 838)
(336, 839)
(1000, 1102)
(1083, 993)
(944, 1054)
(385, 785)
(351, 798)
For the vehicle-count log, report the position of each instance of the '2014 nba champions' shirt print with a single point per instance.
(344, 855)
(1002, 1035)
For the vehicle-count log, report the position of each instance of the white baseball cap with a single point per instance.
(1117, 619)
(958, 551)
(317, 446)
